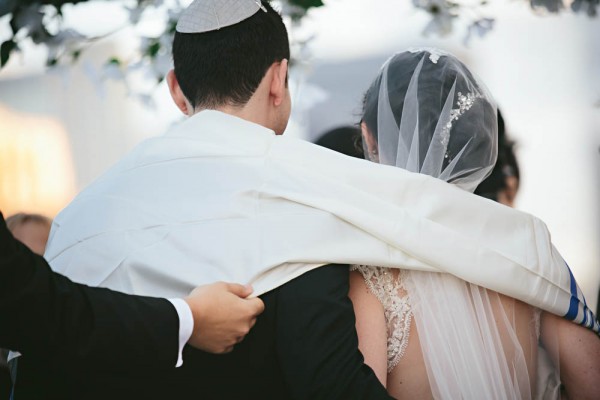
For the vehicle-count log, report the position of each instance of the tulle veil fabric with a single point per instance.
(427, 113)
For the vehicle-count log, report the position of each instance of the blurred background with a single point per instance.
(62, 126)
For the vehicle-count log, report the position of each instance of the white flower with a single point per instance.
(146, 99)
(443, 14)
(174, 13)
(162, 65)
(293, 11)
(166, 42)
(66, 38)
(94, 76)
(135, 14)
(112, 71)
(480, 28)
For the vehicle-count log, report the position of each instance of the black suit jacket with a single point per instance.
(304, 346)
(46, 316)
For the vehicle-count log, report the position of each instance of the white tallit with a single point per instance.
(220, 198)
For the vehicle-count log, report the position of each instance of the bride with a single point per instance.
(432, 335)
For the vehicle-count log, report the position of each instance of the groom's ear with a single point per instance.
(279, 82)
(177, 94)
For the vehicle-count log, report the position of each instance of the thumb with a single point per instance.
(242, 291)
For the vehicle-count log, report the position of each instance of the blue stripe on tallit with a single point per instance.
(573, 312)
(593, 322)
(574, 304)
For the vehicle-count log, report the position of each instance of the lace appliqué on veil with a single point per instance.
(434, 54)
(387, 286)
(464, 103)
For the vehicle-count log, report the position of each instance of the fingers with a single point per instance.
(256, 305)
(242, 291)
(223, 315)
(230, 348)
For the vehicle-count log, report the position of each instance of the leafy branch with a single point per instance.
(41, 21)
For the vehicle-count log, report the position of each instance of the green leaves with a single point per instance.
(76, 54)
(7, 6)
(153, 49)
(5, 50)
(307, 4)
(114, 61)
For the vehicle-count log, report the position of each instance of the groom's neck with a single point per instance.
(260, 109)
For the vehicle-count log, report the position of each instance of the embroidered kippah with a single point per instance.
(210, 15)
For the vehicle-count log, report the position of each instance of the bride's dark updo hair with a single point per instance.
(437, 74)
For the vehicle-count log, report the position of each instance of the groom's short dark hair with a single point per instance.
(225, 67)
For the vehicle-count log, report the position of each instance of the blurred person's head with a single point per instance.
(503, 183)
(343, 140)
(241, 69)
(426, 112)
(31, 229)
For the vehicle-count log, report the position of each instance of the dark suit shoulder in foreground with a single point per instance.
(44, 315)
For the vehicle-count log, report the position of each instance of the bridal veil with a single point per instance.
(427, 113)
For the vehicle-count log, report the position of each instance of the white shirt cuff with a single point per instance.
(186, 325)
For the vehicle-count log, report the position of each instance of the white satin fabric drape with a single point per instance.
(220, 198)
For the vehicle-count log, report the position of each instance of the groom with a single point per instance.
(230, 79)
